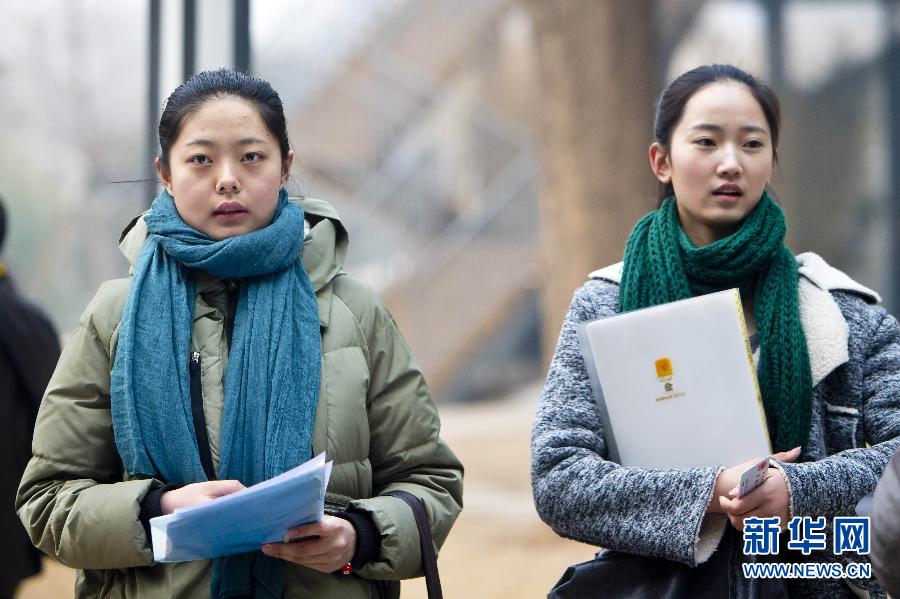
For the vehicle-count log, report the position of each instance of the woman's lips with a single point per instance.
(230, 212)
(728, 189)
(728, 192)
(230, 217)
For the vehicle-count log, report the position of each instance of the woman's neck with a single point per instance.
(702, 236)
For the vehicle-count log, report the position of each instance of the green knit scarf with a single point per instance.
(663, 265)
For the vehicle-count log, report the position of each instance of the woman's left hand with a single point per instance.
(325, 546)
(771, 498)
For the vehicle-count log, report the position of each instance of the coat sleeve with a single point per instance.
(833, 485)
(583, 496)
(406, 450)
(886, 528)
(71, 498)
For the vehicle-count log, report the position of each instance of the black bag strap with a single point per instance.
(429, 558)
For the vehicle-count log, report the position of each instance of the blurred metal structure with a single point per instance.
(848, 168)
(418, 119)
(406, 129)
(775, 22)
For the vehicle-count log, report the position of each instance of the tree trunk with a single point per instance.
(598, 84)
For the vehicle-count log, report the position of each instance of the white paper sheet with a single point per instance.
(245, 520)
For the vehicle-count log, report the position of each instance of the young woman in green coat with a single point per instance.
(236, 349)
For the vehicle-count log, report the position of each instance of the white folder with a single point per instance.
(676, 384)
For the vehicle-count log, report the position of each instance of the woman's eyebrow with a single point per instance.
(201, 142)
(718, 128)
(211, 144)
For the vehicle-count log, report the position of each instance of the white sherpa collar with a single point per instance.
(827, 334)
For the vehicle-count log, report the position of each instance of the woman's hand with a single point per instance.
(771, 498)
(196, 493)
(729, 479)
(324, 546)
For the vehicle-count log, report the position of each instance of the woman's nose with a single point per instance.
(729, 165)
(228, 181)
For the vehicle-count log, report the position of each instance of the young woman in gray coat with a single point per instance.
(827, 357)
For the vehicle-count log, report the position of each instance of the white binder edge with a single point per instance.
(612, 450)
(759, 399)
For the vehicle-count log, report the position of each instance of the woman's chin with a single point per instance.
(727, 216)
(218, 232)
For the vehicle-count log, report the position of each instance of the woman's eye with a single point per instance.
(200, 159)
(754, 143)
(705, 142)
(252, 157)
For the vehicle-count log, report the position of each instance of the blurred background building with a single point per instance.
(485, 155)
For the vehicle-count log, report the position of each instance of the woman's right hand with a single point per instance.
(197, 493)
(730, 478)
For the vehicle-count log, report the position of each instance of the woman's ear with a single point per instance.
(659, 163)
(286, 167)
(164, 176)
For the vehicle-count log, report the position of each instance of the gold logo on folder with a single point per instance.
(666, 375)
(663, 367)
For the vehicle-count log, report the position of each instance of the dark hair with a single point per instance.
(675, 97)
(193, 93)
(2, 223)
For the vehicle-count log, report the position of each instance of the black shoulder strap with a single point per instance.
(429, 558)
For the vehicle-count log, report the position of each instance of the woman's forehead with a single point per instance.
(224, 117)
(725, 104)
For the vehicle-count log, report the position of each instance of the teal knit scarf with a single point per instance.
(272, 378)
(662, 265)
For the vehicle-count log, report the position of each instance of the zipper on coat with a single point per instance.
(199, 418)
(232, 293)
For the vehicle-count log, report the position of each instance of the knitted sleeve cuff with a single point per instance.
(368, 541)
(150, 505)
(787, 483)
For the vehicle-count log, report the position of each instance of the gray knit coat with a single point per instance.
(854, 349)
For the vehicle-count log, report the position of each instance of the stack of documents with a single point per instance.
(245, 520)
(676, 384)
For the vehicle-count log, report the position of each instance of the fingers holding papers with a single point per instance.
(197, 493)
(324, 546)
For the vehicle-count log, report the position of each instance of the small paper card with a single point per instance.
(754, 476)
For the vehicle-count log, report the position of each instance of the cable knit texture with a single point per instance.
(663, 265)
(662, 513)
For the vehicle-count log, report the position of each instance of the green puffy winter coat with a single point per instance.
(375, 418)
